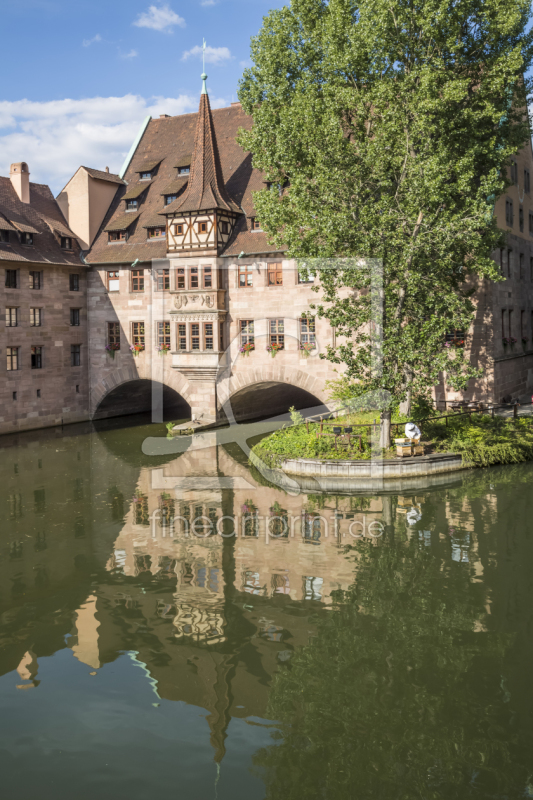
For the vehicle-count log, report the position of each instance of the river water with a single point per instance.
(300, 652)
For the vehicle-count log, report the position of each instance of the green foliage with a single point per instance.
(296, 417)
(391, 126)
(483, 440)
(399, 693)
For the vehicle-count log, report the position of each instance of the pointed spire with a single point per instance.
(205, 189)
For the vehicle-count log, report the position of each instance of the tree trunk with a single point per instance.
(405, 405)
(384, 438)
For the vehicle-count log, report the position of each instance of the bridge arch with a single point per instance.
(269, 391)
(122, 394)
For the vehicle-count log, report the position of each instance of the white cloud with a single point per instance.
(131, 54)
(213, 55)
(208, 2)
(89, 42)
(161, 18)
(56, 137)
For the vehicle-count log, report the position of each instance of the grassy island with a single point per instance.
(482, 440)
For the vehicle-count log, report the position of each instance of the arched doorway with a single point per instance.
(141, 396)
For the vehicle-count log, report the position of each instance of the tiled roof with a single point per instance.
(5, 225)
(184, 161)
(42, 217)
(147, 166)
(176, 185)
(136, 190)
(123, 222)
(171, 140)
(104, 176)
(205, 189)
(154, 221)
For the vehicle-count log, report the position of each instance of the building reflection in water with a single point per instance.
(210, 617)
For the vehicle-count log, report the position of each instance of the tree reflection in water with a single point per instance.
(400, 694)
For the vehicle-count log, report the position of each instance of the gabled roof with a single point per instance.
(206, 189)
(148, 166)
(42, 217)
(103, 176)
(171, 141)
(136, 190)
(123, 222)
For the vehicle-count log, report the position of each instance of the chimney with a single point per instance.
(164, 116)
(107, 169)
(20, 178)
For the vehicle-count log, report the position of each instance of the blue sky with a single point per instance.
(82, 75)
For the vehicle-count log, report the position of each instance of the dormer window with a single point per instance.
(256, 225)
(178, 229)
(184, 170)
(146, 176)
(224, 227)
(4, 237)
(169, 198)
(132, 205)
(118, 236)
(156, 233)
(66, 243)
(26, 238)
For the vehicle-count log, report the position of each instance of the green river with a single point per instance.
(145, 655)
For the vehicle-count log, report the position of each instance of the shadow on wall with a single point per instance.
(264, 400)
(142, 395)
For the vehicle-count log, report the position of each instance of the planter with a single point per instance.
(136, 349)
(111, 349)
(163, 349)
(246, 349)
(273, 349)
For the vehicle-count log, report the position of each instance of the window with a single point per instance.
(75, 317)
(514, 171)
(510, 322)
(36, 357)
(66, 243)
(74, 283)
(113, 283)
(132, 205)
(531, 269)
(208, 336)
(137, 330)
(521, 219)
(275, 274)
(169, 198)
(182, 336)
(180, 283)
(117, 236)
(530, 224)
(163, 333)
(308, 278)
(77, 392)
(523, 324)
(178, 229)
(157, 233)
(276, 333)
(208, 278)
(4, 236)
(307, 332)
(36, 317)
(184, 170)
(26, 238)
(503, 323)
(137, 280)
(146, 176)
(12, 360)
(221, 336)
(193, 278)
(509, 213)
(521, 259)
(11, 278)
(195, 336)
(246, 277)
(202, 227)
(40, 461)
(75, 355)
(11, 317)
(526, 181)
(509, 259)
(224, 227)
(255, 224)
(162, 280)
(35, 280)
(247, 331)
(113, 335)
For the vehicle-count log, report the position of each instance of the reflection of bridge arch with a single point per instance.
(267, 391)
(123, 392)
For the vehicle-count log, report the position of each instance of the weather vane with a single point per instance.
(204, 76)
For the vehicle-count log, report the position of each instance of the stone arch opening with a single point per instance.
(269, 399)
(140, 396)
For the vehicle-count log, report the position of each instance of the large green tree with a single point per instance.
(388, 126)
